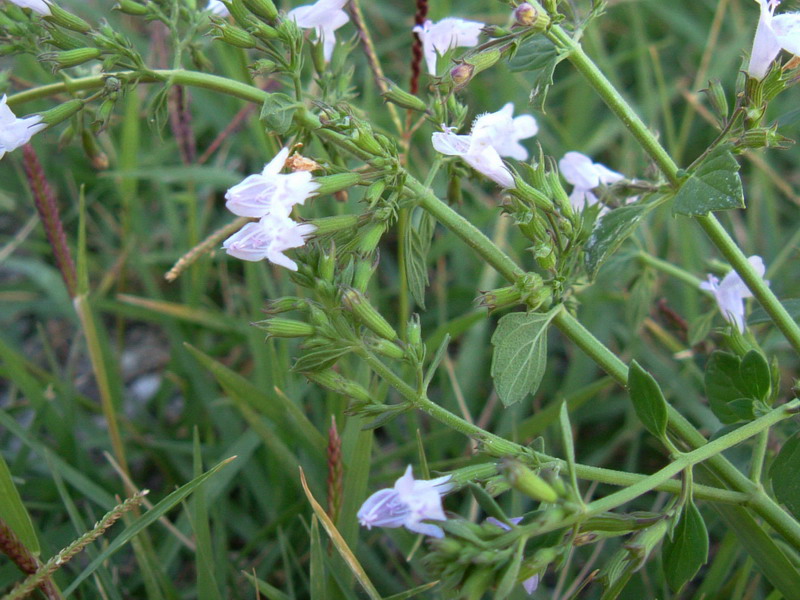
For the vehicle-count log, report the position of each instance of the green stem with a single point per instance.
(757, 459)
(706, 452)
(499, 446)
(669, 269)
(618, 105)
(754, 282)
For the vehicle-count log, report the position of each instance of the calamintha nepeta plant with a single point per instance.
(383, 365)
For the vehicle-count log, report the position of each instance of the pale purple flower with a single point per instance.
(493, 135)
(41, 7)
(449, 33)
(531, 583)
(407, 504)
(217, 8)
(325, 17)
(15, 132)
(731, 292)
(503, 131)
(585, 175)
(773, 34)
(269, 238)
(270, 192)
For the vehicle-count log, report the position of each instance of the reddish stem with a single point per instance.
(416, 49)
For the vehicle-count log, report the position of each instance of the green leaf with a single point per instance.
(418, 243)
(784, 475)
(755, 374)
(509, 579)
(13, 511)
(317, 577)
(277, 112)
(539, 57)
(609, 233)
(687, 549)
(319, 358)
(648, 401)
(520, 354)
(722, 384)
(733, 385)
(714, 185)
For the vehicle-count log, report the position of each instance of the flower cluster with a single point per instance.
(773, 34)
(407, 504)
(730, 293)
(493, 136)
(16, 132)
(449, 33)
(585, 176)
(269, 196)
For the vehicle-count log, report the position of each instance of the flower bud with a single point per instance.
(414, 331)
(365, 140)
(285, 304)
(545, 255)
(370, 238)
(330, 184)
(235, 36)
(500, 298)
(263, 66)
(717, 99)
(265, 32)
(763, 137)
(72, 58)
(495, 31)
(129, 7)
(374, 192)
(366, 314)
(62, 112)
(642, 544)
(387, 349)
(67, 20)
(331, 380)
(531, 15)
(526, 481)
(461, 74)
(262, 8)
(402, 98)
(63, 40)
(104, 113)
(328, 225)
(530, 195)
(286, 328)
(364, 270)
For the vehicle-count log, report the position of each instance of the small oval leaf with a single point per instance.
(687, 549)
(648, 401)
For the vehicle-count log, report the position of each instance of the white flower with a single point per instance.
(407, 504)
(270, 192)
(443, 36)
(269, 238)
(732, 291)
(41, 7)
(325, 16)
(493, 135)
(772, 35)
(481, 157)
(16, 132)
(585, 175)
(503, 131)
(531, 583)
(216, 7)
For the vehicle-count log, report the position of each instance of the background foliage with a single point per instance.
(191, 383)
